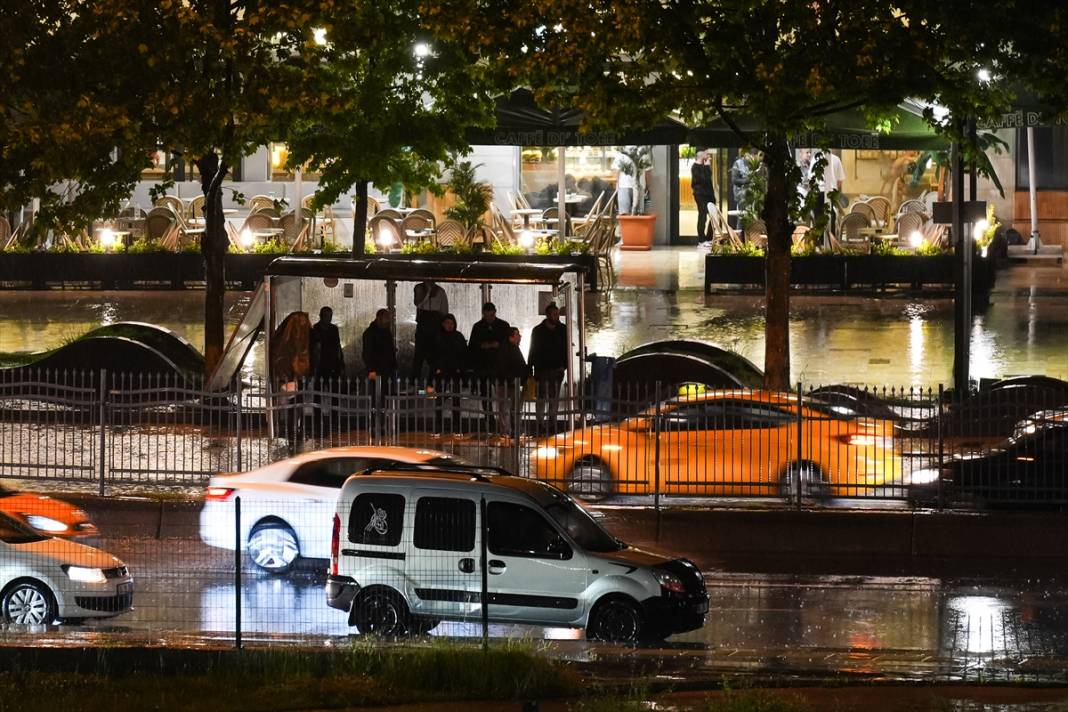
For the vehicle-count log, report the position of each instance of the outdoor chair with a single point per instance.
(5, 233)
(907, 224)
(502, 232)
(257, 202)
(800, 234)
(385, 231)
(882, 209)
(865, 209)
(268, 210)
(551, 215)
(449, 233)
(912, 206)
(414, 226)
(390, 213)
(592, 214)
(425, 214)
(297, 238)
(849, 232)
(196, 208)
(756, 232)
(169, 201)
(160, 225)
(258, 221)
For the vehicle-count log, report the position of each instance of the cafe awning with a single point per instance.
(521, 122)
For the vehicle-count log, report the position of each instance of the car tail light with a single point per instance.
(859, 440)
(335, 544)
(218, 494)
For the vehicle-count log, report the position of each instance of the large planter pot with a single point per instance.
(637, 231)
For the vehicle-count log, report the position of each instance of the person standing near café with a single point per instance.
(487, 336)
(511, 370)
(548, 358)
(703, 194)
(431, 306)
(448, 364)
(833, 180)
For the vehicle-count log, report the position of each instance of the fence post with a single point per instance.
(484, 573)
(103, 395)
(941, 446)
(800, 446)
(237, 572)
(517, 423)
(239, 407)
(656, 453)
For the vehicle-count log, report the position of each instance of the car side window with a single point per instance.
(747, 415)
(516, 530)
(697, 416)
(376, 519)
(330, 473)
(445, 524)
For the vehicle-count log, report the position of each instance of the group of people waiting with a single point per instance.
(490, 359)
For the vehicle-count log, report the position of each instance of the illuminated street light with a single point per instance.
(421, 50)
(983, 74)
(319, 35)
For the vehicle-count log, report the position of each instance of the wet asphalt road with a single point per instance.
(883, 626)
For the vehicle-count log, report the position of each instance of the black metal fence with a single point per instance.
(112, 432)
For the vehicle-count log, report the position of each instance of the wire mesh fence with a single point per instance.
(113, 432)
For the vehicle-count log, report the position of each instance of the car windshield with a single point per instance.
(15, 532)
(581, 527)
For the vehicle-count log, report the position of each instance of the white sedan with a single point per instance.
(287, 506)
(44, 579)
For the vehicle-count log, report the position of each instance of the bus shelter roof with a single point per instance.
(417, 270)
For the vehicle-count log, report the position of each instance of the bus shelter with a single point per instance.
(357, 288)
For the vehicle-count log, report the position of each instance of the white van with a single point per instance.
(413, 546)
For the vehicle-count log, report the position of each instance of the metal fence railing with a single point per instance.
(646, 443)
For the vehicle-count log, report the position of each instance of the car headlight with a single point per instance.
(669, 581)
(545, 452)
(45, 524)
(924, 477)
(85, 575)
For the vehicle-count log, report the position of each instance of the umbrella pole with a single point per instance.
(1035, 242)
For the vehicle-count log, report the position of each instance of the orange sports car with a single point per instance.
(52, 517)
(725, 443)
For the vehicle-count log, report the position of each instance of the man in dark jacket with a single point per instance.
(448, 364)
(703, 193)
(487, 335)
(511, 371)
(379, 352)
(327, 359)
(431, 306)
(548, 358)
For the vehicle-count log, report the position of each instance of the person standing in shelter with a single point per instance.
(431, 305)
(703, 194)
(548, 358)
(511, 370)
(380, 361)
(487, 336)
(448, 363)
(327, 357)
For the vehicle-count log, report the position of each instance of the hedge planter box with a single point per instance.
(124, 270)
(847, 271)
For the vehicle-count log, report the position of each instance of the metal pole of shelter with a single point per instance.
(1032, 192)
(268, 327)
(561, 192)
(568, 324)
(298, 198)
(580, 288)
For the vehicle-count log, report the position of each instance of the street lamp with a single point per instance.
(107, 238)
(247, 239)
(916, 239)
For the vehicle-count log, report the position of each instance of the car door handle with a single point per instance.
(497, 567)
(467, 566)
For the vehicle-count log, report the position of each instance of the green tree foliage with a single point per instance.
(473, 197)
(781, 66)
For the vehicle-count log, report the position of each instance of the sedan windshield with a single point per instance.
(15, 532)
(581, 527)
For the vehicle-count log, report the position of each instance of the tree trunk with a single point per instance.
(213, 246)
(776, 216)
(359, 219)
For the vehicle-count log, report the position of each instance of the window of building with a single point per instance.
(588, 172)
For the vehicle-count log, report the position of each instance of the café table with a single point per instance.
(526, 213)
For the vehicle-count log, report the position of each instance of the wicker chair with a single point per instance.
(865, 209)
(756, 232)
(449, 233)
(169, 201)
(907, 224)
(912, 206)
(800, 234)
(258, 202)
(389, 213)
(425, 214)
(882, 209)
(552, 214)
(372, 206)
(161, 225)
(258, 221)
(414, 223)
(849, 231)
(385, 229)
(296, 239)
(195, 209)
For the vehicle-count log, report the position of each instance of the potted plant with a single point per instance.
(638, 228)
(473, 197)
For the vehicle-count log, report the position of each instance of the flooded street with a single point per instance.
(895, 339)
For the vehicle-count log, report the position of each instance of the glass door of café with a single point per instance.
(685, 206)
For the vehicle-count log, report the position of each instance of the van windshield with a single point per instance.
(581, 527)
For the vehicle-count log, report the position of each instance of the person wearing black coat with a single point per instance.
(487, 335)
(548, 358)
(448, 364)
(379, 352)
(703, 193)
(511, 371)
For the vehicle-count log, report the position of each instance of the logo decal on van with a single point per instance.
(378, 521)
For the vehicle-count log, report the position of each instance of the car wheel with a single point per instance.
(273, 547)
(813, 484)
(29, 603)
(616, 620)
(590, 481)
(381, 612)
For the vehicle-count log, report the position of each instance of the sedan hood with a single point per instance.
(633, 557)
(68, 552)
